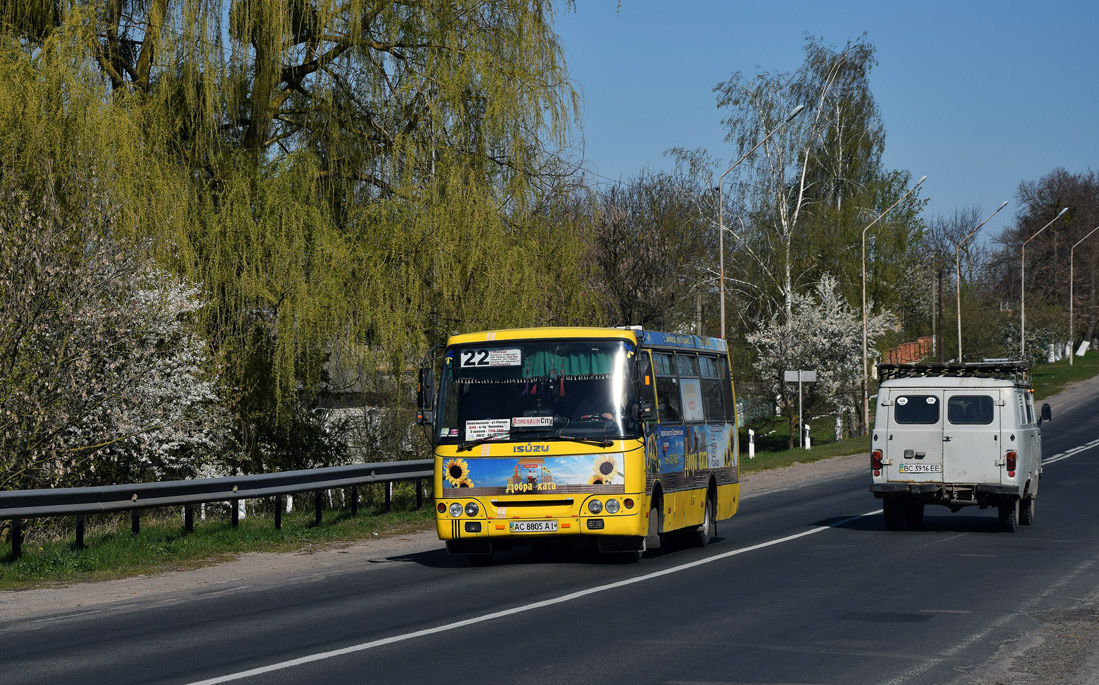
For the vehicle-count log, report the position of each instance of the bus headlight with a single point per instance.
(472, 509)
(456, 509)
(595, 506)
(612, 506)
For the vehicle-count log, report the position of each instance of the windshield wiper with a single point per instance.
(601, 442)
(465, 446)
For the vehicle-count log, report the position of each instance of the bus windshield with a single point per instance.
(537, 390)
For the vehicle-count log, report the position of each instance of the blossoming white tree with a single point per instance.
(823, 333)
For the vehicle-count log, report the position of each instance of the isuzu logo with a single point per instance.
(531, 448)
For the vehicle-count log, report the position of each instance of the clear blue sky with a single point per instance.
(976, 95)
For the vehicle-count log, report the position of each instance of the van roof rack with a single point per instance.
(1008, 369)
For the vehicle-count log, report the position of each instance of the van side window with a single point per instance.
(1029, 409)
(970, 409)
(916, 409)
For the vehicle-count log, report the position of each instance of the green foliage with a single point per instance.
(345, 181)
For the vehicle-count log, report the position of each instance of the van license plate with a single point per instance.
(921, 468)
(534, 526)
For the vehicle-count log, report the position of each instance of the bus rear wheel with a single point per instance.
(708, 528)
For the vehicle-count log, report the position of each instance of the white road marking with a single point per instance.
(320, 656)
(1072, 452)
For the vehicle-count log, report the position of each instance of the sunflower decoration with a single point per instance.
(606, 468)
(597, 479)
(465, 483)
(456, 471)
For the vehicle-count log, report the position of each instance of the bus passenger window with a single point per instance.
(690, 389)
(727, 391)
(667, 389)
(687, 365)
(712, 400)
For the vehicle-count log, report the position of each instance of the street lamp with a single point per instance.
(721, 205)
(1022, 286)
(1071, 339)
(865, 371)
(958, 277)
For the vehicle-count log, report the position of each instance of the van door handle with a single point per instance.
(946, 438)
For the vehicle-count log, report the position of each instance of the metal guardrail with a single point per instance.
(16, 505)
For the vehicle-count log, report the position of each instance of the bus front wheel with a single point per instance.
(653, 538)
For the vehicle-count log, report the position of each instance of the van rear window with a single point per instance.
(970, 409)
(916, 409)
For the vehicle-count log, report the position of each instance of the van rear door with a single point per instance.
(914, 441)
(971, 447)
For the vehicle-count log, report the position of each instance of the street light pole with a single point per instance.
(721, 206)
(1022, 286)
(1071, 338)
(865, 371)
(958, 277)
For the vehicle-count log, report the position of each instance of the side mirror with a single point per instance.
(644, 411)
(425, 392)
(1047, 413)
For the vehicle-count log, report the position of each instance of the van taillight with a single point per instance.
(1011, 461)
(875, 462)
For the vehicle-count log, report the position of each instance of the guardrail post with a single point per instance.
(318, 500)
(278, 512)
(354, 501)
(388, 496)
(188, 518)
(135, 523)
(236, 512)
(80, 531)
(419, 493)
(16, 538)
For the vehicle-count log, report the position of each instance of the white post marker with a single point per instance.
(751, 444)
(800, 376)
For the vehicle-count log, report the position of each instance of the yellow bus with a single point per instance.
(607, 435)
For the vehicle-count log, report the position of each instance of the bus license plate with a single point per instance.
(534, 526)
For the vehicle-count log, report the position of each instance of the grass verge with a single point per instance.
(162, 545)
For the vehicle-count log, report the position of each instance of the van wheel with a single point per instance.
(708, 529)
(1009, 516)
(913, 515)
(1026, 512)
(894, 513)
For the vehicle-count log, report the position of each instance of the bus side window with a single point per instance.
(712, 400)
(667, 388)
(727, 390)
(690, 388)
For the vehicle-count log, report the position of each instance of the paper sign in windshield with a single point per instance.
(532, 422)
(488, 428)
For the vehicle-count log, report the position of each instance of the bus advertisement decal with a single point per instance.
(688, 449)
(534, 474)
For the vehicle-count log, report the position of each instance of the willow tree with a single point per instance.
(365, 176)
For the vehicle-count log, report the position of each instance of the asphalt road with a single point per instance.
(803, 586)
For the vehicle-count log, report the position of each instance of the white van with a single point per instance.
(957, 435)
